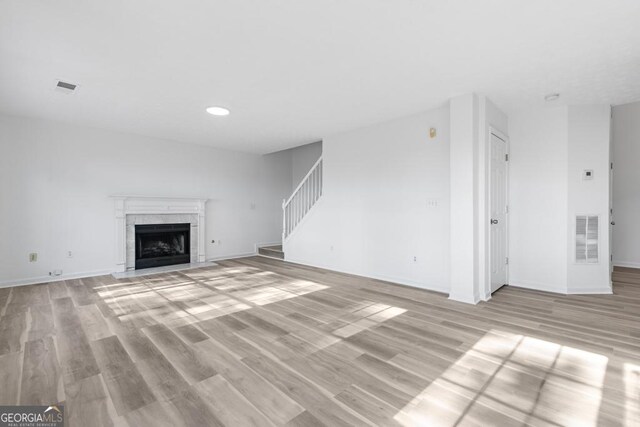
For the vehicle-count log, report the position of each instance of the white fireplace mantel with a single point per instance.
(141, 205)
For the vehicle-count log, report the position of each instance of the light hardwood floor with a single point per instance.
(261, 342)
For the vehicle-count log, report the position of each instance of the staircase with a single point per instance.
(304, 197)
(296, 207)
(271, 252)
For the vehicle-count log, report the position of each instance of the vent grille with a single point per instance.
(587, 239)
(66, 87)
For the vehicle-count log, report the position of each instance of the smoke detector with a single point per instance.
(66, 87)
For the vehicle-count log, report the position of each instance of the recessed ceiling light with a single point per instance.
(218, 111)
(552, 97)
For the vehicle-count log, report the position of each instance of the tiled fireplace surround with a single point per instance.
(134, 210)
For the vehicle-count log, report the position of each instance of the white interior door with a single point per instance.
(498, 204)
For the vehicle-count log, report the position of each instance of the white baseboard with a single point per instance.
(49, 279)
(590, 291)
(235, 256)
(398, 280)
(408, 282)
(563, 291)
(539, 287)
(475, 299)
(628, 264)
(81, 275)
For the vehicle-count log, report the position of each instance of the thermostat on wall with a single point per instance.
(587, 174)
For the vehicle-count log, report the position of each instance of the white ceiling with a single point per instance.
(294, 71)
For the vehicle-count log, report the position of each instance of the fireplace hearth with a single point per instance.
(162, 244)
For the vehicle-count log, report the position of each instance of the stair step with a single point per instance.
(272, 251)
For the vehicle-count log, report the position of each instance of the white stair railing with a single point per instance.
(302, 200)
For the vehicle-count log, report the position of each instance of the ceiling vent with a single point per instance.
(66, 87)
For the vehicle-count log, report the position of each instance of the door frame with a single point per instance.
(500, 135)
(612, 220)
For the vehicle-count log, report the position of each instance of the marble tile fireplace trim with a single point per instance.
(133, 210)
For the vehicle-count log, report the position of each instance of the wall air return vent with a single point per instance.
(587, 239)
(66, 87)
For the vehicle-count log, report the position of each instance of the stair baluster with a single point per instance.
(303, 198)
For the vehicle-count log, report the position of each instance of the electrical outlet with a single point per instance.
(55, 273)
(69, 254)
(415, 259)
(33, 257)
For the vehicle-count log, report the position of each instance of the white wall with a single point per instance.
(275, 185)
(472, 119)
(463, 171)
(626, 185)
(302, 159)
(538, 165)
(550, 147)
(589, 148)
(373, 217)
(55, 181)
(469, 121)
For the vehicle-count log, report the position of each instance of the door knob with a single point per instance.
(494, 221)
(613, 223)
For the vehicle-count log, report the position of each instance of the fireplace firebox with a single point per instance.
(162, 244)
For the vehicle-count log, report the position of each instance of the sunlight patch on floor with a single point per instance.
(262, 295)
(509, 379)
(180, 300)
(367, 318)
(632, 392)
